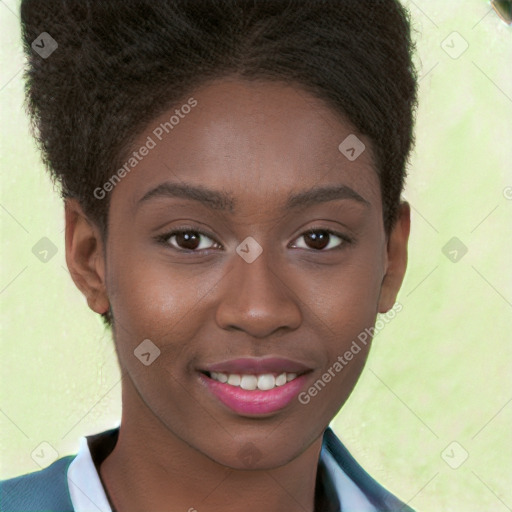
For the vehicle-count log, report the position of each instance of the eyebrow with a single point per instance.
(219, 200)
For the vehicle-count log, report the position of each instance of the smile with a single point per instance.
(243, 395)
(263, 382)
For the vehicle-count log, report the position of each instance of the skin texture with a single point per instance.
(179, 447)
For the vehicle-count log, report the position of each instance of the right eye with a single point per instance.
(187, 240)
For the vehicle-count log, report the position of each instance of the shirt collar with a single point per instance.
(85, 487)
(335, 491)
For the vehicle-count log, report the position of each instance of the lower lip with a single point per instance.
(255, 402)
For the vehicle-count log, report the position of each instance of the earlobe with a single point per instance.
(397, 259)
(85, 256)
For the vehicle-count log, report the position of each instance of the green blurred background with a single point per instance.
(437, 386)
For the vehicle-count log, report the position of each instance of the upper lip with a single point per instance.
(248, 365)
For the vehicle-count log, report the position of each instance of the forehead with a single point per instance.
(257, 140)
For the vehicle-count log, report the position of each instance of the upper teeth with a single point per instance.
(248, 382)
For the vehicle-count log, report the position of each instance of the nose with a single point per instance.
(257, 300)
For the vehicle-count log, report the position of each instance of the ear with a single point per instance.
(396, 258)
(85, 256)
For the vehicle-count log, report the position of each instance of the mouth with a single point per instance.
(252, 387)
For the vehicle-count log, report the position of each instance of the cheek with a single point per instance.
(347, 298)
(152, 299)
(345, 306)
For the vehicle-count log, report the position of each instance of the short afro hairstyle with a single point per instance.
(121, 63)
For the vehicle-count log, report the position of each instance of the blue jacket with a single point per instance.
(47, 489)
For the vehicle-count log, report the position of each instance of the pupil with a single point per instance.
(319, 239)
(189, 239)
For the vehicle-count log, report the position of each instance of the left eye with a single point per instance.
(320, 240)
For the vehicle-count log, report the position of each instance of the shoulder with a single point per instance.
(381, 499)
(46, 489)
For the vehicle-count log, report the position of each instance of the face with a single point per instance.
(246, 247)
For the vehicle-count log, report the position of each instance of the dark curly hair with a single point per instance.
(121, 63)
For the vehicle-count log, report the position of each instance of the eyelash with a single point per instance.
(164, 238)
